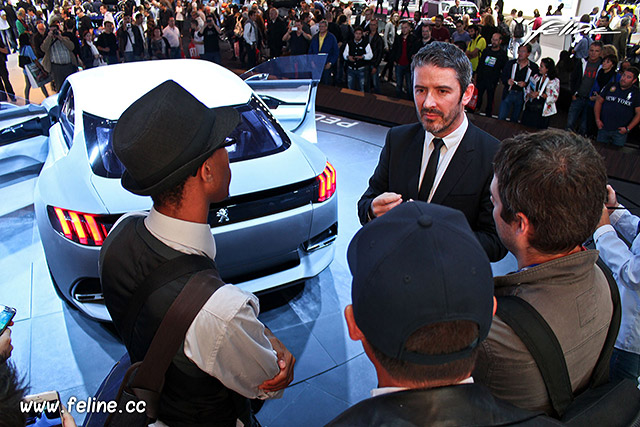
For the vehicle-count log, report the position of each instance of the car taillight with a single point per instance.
(326, 183)
(86, 229)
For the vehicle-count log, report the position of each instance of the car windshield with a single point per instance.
(257, 135)
(295, 67)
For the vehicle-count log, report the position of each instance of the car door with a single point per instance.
(288, 85)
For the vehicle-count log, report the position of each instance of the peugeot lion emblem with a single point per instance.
(223, 215)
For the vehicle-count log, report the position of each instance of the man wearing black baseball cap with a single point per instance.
(422, 301)
(173, 149)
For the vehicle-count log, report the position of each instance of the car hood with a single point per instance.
(249, 176)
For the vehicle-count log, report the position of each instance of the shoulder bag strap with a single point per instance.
(149, 378)
(165, 273)
(600, 373)
(537, 336)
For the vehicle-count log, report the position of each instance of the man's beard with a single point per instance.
(438, 126)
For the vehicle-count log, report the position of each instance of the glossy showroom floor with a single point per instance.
(56, 348)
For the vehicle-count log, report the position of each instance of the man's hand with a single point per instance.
(384, 203)
(511, 82)
(5, 344)
(622, 130)
(612, 200)
(286, 360)
(599, 124)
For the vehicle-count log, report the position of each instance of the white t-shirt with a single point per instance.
(172, 35)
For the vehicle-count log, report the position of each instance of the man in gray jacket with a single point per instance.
(548, 190)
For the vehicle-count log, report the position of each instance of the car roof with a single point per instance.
(108, 91)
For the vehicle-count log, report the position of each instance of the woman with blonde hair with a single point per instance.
(488, 27)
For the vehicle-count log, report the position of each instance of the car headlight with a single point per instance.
(98, 135)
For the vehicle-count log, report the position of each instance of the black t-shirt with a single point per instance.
(210, 39)
(619, 105)
(108, 40)
(490, 66)
(298, 45)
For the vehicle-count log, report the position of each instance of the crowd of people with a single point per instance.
(360, 50)
(444, 201)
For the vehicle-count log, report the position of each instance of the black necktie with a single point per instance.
(430, 172)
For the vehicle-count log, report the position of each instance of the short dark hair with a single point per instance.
(526, 46)
(171, 196)
(473, 27)
(520, 14)
(597, 43)
(634, 71)
(551, 67)
(357, 28)
(440, 16)
(558, 181)
(12, 391)
(611, 58)
(445, 55)
(437, 338)
(251, 12)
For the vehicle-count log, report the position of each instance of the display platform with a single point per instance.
(57, 348)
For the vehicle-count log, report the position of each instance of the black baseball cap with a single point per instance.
(417, 265)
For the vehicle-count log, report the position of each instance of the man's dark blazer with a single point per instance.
(464, 185)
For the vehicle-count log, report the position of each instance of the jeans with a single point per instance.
(403, 78)
(612, 137)
(212, 57)
(7, 39)
(512, 103)
(578, 111)
(515, 44)
(373, 80)
(624, 365)
(355, 78)
(129, 57)
(174, 52)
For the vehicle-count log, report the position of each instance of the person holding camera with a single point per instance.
(59, 58)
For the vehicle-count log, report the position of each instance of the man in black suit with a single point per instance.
(444, 159)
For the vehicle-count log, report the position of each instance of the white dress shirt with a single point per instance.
(451, 143)
(386, 390)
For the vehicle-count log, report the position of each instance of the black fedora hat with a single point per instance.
(166, 135)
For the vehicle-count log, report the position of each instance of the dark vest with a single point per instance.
(190, 397)
(358, 49)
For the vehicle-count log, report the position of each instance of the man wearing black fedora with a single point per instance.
(422, 302)
(173, 149)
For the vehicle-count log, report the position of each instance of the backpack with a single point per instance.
(238, 30)
(603, 402)
(518, 31)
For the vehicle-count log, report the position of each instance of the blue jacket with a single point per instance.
(330, 47)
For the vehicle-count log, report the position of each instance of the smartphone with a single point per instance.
(6, 315)
(42, 409)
